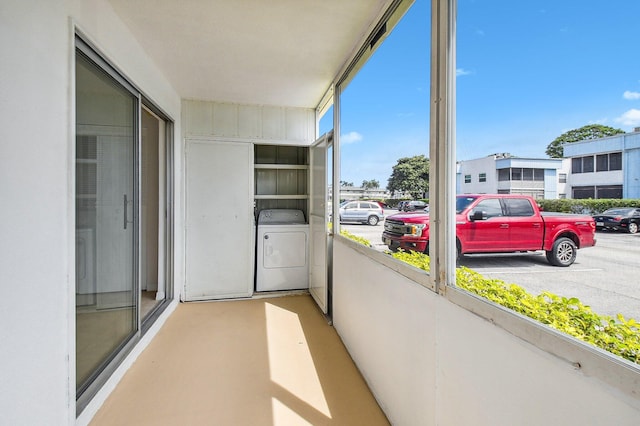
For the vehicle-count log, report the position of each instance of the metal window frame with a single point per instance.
(83, 45)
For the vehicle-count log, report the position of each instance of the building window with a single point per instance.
(562, 196)
(610, 191)
(467, 178)
(538, 174)
(606, 162)
(582, 192)
(562, 178)
(516, 174)
(482, 177)
(587, 164)
(602, 163)
(615, 161)
(527, 174)
(576, 165)
(504, 174)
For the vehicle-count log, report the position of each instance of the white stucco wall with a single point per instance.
(37, 309)
(430, 362)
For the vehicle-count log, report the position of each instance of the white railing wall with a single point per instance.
(429, 361)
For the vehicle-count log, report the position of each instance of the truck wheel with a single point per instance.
(633, 227)
(373, 220)
(563, 252)
(458, 254)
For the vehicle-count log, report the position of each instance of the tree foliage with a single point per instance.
(344, 183)
(592, 131)
(410, 174)
(370, 184)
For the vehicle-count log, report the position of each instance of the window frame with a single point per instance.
(441, 279)
(81, 45)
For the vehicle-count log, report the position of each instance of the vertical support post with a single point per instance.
(442, 147)
(335, 196)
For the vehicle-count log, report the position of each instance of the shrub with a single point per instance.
(355, 238)
(586, 206)
(569, 315)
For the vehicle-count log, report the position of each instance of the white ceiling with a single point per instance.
(270, 52)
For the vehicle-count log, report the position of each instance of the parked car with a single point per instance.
(619, 219)
(401, 204)
(415, 205)
(368, 212)
(498, 223)
(380, 203)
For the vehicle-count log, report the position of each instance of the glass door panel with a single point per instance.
(106, 296)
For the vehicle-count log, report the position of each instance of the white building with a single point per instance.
(132, 161)
(605, 168)
(506, 174)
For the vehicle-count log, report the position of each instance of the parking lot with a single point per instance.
(605, 277)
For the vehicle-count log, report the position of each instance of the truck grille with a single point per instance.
(398, 227)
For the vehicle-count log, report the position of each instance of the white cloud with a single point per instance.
(462, 71)
(632, 96)
(630, 118)
(351, 137)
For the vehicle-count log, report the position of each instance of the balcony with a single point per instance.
(272, 361)
(425, 356)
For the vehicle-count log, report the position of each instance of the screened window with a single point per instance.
(582, 192)
(576, 165)
(482, 177)
(527, 174)
(467, 178)
(615, 161)
(610, 191)
(602, 162)
(516, 174)
(538, 174)
(587, 164)
(504, 175)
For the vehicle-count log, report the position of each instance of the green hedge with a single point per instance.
(355, 238)
(569, 315)
(587, 206)
(619, 336)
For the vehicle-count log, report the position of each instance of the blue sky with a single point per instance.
(528, 71)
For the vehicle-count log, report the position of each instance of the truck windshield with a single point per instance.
(463, 202)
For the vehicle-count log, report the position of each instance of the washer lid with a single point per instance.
(281, 216)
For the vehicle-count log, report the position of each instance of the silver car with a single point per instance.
(361, 211)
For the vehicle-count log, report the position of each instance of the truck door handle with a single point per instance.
(536, 225)
(504, 225)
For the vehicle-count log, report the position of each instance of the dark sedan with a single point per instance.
(619, 219)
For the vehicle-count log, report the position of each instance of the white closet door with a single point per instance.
(318, 223)
(220, 246)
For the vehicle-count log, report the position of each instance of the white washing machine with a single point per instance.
(282, 250)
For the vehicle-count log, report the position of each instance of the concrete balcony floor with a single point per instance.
(271, 361)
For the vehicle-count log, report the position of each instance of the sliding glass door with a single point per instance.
(106, 232)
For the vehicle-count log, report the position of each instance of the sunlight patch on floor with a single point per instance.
(290, 362)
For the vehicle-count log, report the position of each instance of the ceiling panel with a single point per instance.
(275, 52)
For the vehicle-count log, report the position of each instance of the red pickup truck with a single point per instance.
(498, 223)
